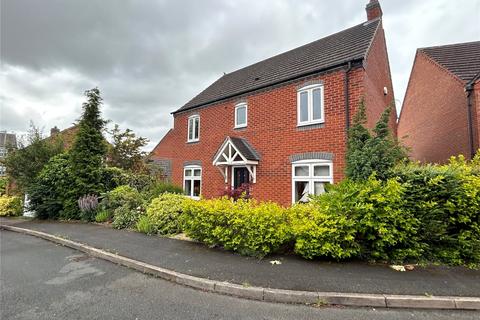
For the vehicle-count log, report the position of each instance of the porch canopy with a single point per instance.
(236, 152)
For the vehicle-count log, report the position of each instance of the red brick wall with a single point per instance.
(272, 128)
(272, 131)
(377, 76)
(434, 113)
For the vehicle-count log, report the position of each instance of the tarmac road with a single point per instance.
(40, 280)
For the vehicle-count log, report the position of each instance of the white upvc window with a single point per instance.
(310, 106)
(193, 128)
(241, 114)
(310, 177)
(192, 181)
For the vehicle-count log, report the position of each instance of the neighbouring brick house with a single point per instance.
(440, 115)
(281, 124)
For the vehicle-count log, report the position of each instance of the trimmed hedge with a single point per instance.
(245, 226)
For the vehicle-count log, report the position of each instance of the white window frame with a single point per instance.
(309, 90)
(191, 120)
(238, 106)
(311, 163)
(192, 178)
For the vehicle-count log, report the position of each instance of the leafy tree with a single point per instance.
(48, 192)
(88, 153)
(369, 152)
(126, 150)
(24, 164)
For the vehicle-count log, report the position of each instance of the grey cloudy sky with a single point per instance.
(150, 57)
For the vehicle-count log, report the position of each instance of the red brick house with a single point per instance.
(280, 124)
(440, 115)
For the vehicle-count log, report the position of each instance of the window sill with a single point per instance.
(309, 126)
(192, 142)
(239, 127)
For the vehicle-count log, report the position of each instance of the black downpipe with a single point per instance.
(347, 97)
(469, 90)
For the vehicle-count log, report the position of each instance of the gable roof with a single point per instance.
(334, 50)
(242, 146)
(461, 59)
(245, 148)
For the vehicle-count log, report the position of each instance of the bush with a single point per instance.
(163, 214)
(3, 185)
(124, 204)
(245, 226)
(159, 188)
(48, 194)
(357, 219)
(10, 206)
(446, 201)
(120, 196)
(127, 216)
(103, 216)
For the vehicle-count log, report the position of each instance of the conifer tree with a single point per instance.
(88, 152)
(372, 152)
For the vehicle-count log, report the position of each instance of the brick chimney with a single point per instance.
(54, 131)
(374, 10)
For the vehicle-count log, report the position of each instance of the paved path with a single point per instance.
(40, 280)
(294, 273)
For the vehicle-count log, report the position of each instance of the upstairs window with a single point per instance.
(193, 128)
(310, 105)
(241, 115)
(192, 181)
(310, 177)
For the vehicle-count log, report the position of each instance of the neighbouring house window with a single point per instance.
(310, 105)
(193, 128)
(310, 177)
(241, 115)
(192, 181)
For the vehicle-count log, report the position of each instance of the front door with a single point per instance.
(240, 176)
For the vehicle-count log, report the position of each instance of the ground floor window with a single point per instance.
(310, 177)
(192, 181)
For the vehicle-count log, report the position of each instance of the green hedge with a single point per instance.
(244, 226)
(10, 206)
(163, 215)
(446, 200)
(357, 219)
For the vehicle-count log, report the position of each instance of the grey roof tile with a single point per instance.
(347, 45)
(461, 59)
(245, 148)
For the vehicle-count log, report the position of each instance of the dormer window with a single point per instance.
(241, 115)
(310, 108)
(193, 128)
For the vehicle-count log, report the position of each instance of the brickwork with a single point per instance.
(377, 77)
(272, 127)
(434, 113)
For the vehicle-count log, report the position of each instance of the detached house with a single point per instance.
(280, 125)
(441, 111)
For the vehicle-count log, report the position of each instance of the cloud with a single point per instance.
(150, 57)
